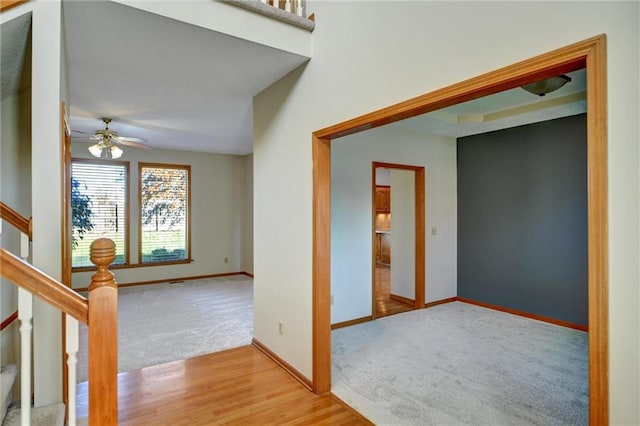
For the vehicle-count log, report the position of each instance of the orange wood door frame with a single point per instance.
(419, 229)
(589, 54)
(66, 229)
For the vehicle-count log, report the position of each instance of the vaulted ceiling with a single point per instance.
(176, 85)
(184, 87)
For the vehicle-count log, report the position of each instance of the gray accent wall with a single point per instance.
(522, 218)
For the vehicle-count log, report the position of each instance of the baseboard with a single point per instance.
(402, 299)
(247, 274)
(351, 322)
(10, 319)
(170, 280)
(397, 298)
(440, 302)
(283, 364)
(525, 314)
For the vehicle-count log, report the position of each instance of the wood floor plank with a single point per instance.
(237, 386)
(386, 306)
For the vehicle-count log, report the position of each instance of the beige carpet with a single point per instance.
(161, 323)
(457, 364)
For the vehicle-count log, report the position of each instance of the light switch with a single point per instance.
(434, 231)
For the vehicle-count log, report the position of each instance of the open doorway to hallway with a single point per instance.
(397, 245)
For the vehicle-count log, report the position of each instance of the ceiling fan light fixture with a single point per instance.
(96, 150)
(107, 146)
(105, 151)
(548, 85)
(115, 152)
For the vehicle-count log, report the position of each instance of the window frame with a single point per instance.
(188, 258)
(127, 204)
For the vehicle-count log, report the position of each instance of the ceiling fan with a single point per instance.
(107, 142)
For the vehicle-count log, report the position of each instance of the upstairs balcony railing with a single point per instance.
(291, 6)
(293, 12)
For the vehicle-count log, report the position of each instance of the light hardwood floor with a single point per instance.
(385, 306)
(237, 386)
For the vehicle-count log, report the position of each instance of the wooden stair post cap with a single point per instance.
(103, 252)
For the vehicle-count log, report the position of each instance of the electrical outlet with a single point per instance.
(226, 260)
(434, 231)
(281, 328)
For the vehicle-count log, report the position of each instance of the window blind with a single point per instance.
(98, 208)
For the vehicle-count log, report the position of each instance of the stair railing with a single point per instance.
(25, 310)
(99, 312)
(291, 6)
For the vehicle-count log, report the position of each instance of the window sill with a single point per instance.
(133, 265)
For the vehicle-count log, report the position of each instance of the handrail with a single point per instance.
(42, 285)
(100, 311)
(13, 217)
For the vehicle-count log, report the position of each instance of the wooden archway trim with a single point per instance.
(589, 54)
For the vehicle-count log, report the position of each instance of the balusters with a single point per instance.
(291, 6)
(24, 246)
(25, 315)
(71, 344)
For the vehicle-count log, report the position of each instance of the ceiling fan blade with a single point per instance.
(132, 142)
(84, 133)
(131, 139)
(88, 139)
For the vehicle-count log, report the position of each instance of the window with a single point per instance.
(164, 213)
(98, 208)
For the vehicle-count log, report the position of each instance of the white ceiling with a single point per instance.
(511, 108)
(184, 87)
(174, 84)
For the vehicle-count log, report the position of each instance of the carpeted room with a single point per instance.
(176, 321)
(203, 304)
(510, 215)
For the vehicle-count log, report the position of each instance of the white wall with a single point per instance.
(403, 235)
(47, 92)
(15, 191)
(369, 55)
(224, 18)
(247, 225)
(218, 217)
(383, 176)
(351, 221)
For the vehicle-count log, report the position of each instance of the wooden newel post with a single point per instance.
(103, 337)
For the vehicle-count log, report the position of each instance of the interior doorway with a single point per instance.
(398, 238)
(589, 54)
